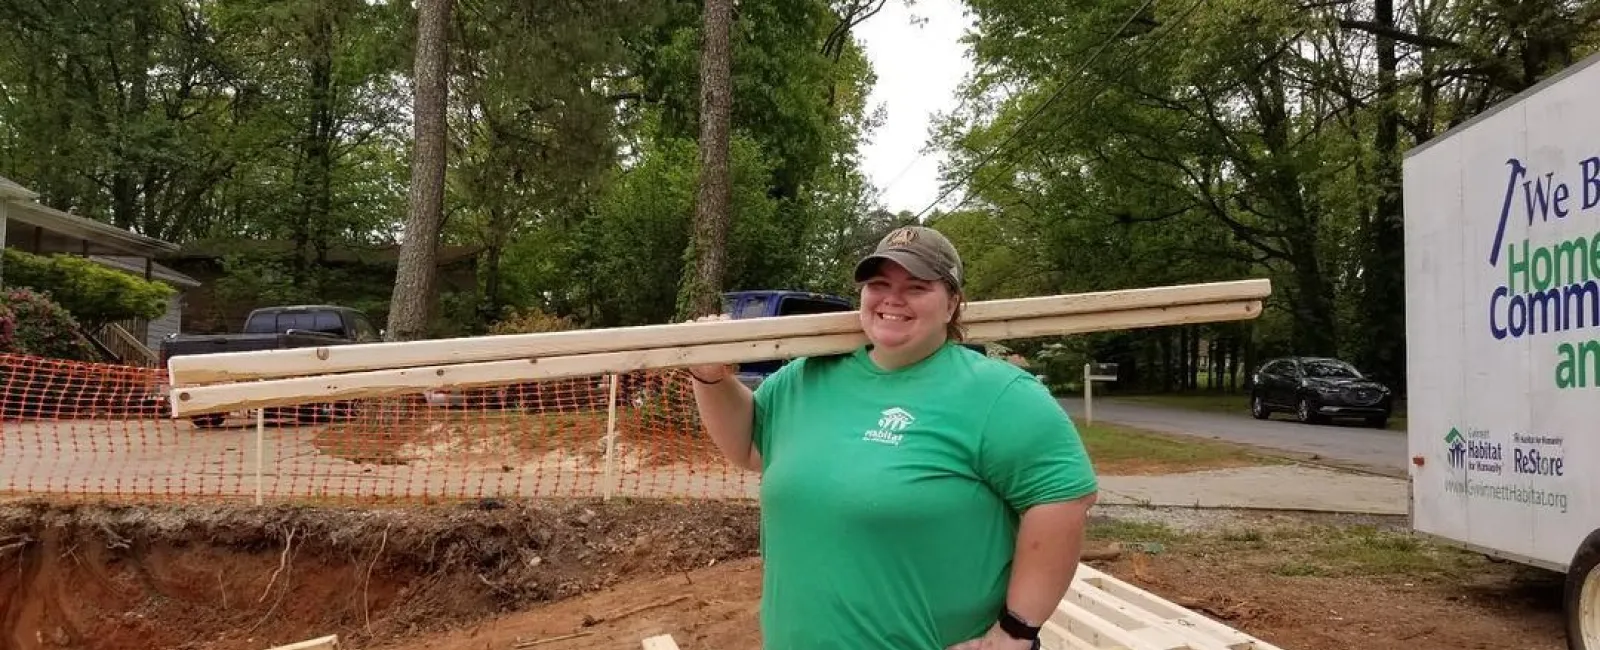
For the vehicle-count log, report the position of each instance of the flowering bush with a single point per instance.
(8, 329)
(40, 327)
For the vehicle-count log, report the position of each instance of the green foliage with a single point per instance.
(94, 293)
(1222, 140)
(280, 128)
(42, 328)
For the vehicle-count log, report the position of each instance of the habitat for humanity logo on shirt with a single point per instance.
(890, 424)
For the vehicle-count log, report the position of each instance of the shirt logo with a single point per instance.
(890, 424)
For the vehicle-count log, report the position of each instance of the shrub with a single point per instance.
(93, 293)
(8, 329)
(43, 328)
(532, 321)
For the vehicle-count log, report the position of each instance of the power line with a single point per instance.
(1060, 92)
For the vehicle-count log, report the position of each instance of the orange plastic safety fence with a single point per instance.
(70, 429)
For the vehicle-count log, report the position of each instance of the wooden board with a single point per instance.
(330, 642)
(223, 398)
(659, 642)
(1102, 612)
(200, 369)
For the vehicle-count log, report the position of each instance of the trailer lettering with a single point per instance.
(1542, 194)
(1517, 171)
(1543, 266)
(1591, 182)
(1536, 195)
(1528, 495)
(1579, 366)
(1484, 456)
(1573, 261)
(1574, 306)
(1529, 461)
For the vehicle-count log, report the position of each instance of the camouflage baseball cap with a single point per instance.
(924, 252)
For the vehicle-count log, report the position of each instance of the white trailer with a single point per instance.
(1502, 248)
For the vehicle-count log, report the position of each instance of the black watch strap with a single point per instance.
(1013, 625)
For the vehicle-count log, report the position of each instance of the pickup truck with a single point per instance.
(273, 328)
(764, 304)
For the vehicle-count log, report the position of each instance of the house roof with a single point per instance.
(135, 265)
(33, 225)
(217, 248)
(10, 190)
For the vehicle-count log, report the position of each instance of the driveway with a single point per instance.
(1376, 449)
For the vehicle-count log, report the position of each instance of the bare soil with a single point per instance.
(138, 578)
(1293, 581)
(496, 575)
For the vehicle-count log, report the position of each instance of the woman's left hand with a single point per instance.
(995, 639)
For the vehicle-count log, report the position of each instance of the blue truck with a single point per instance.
(768, 303)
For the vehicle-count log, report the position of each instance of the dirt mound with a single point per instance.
(193, 577)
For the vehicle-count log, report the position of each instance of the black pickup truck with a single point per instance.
(274, 328)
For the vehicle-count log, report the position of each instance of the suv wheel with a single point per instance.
(1258, 407)
(1303, 412)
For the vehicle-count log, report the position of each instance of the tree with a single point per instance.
(414, 279)
(701, 293)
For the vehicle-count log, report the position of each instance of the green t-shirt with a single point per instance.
(890, 499)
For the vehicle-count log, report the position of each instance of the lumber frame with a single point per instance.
(193, 370)
(223, 398)
(1101, 612)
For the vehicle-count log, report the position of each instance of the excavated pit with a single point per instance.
(229, 577)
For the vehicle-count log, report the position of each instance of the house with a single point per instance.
(32, 227)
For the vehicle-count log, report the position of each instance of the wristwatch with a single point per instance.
(1018, 628)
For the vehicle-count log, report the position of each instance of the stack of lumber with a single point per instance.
(1101, 612)
(232, 381)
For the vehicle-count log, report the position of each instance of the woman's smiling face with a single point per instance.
(898, 310)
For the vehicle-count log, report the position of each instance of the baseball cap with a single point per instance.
(924, 252)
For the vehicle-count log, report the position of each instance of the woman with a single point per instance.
(915, 494)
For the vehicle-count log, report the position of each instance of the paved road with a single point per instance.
(1376, 449)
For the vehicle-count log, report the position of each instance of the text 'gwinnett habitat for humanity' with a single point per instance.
(1550, 286)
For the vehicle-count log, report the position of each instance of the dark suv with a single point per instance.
(1316, 389)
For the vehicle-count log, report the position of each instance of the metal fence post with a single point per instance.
(261, 449)
(611, 438)
(1088, 405)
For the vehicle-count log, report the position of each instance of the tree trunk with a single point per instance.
(701, 292)
(414, 278)
(1383, 293)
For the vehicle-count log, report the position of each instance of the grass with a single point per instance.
(1228, 404)
(1367, 550)
(1126, 451)
(1121, 530)
(1304, 550)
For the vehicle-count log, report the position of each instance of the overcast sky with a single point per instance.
(918, 68)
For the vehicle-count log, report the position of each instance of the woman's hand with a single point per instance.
(995, 639)
(711, 373)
